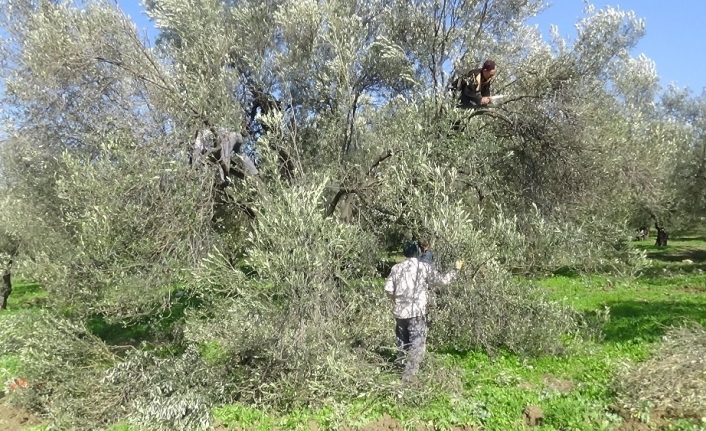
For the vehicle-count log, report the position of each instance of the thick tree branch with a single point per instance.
(381, 158)
(334, 202)
(343, 191)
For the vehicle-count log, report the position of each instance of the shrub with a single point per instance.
(308, 323)
(63, 364)
(489, 310)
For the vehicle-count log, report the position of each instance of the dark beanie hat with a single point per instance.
(410, 249)
(489, 65)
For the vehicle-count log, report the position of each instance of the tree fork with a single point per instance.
(343, 191)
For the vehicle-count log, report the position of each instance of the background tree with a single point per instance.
(684, 112)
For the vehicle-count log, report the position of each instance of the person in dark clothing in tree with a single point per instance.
(425, 247)
(475, 86)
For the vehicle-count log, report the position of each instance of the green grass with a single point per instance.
(25, 298)
(573, 390)
(9, 365)
(671, 292)
(497, 391)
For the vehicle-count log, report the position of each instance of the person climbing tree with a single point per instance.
(474, 86)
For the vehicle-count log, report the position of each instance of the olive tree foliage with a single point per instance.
(685, 113)
(640, 143)
(91, 156)
(661, 155)
(310, 326)
(323, 61)
(462, 33)
(357, 142)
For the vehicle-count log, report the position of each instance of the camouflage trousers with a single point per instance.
(411, 338)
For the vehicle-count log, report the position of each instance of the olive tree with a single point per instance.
(129, 159)
(684, 114)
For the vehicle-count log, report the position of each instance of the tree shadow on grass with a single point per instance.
(27, 295)
(156, 329)
(678, 255)
(688, 238)
(567, 271)
(648, 321)
(651, 274)
(692, 248)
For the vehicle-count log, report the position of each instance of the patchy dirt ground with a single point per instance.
(12, 419)
(551, 382)
(693, 289)
(660, 419)
(534, 416)
(387, 423)
(558, 385)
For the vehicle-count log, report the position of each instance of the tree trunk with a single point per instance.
(6, 287)
(662, 236)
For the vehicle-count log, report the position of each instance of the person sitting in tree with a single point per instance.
(475, 86)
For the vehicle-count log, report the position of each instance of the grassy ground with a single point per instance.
(573, 391)
(24, 299)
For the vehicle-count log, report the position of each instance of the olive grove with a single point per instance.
(247, 174)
